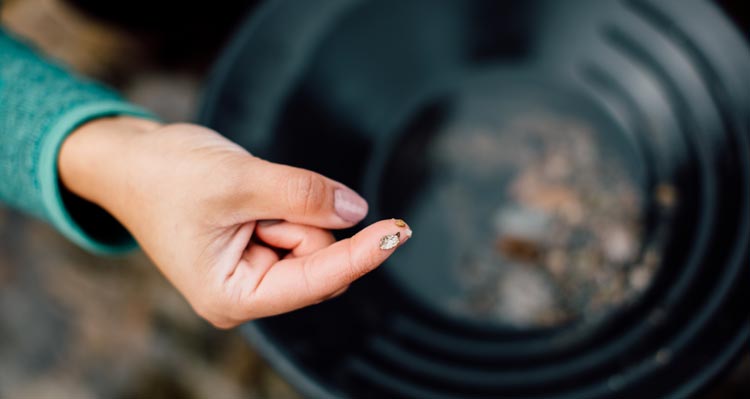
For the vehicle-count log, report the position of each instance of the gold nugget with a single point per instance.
(390, 241)
(399, 222)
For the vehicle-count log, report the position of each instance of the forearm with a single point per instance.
(40, 104)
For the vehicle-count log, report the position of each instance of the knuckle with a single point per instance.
(307, 280)
(306, 193)
(316, 293)
(352, 270)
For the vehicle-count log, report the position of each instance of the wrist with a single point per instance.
(93, 159)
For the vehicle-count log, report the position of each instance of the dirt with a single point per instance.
(566, 239)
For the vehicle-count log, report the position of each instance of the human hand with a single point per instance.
(240, 237)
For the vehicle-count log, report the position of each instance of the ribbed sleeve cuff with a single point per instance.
(53, 195)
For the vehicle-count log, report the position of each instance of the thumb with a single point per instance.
(301, 196)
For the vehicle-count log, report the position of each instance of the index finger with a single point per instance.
(297, 282)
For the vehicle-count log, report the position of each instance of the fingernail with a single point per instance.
(407, 232)
(349, 206)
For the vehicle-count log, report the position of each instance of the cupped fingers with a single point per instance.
(301, 281)
(300, 239)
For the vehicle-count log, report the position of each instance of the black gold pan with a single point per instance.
(361, 91)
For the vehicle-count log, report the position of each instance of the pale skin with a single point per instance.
(215, 219)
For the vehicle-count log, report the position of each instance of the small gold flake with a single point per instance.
(399, 222)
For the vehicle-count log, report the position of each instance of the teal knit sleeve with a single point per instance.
(40, 104)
